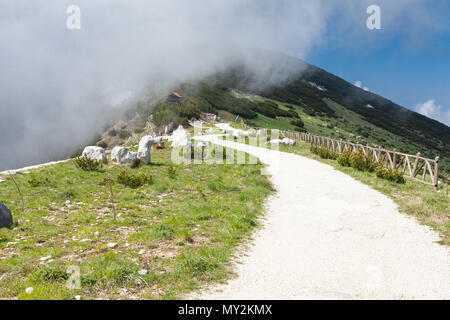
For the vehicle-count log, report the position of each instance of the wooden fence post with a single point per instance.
(394, 160)
(436, 173)
(413, 172)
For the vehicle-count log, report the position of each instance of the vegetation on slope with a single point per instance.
(181, 226)
(325, 103)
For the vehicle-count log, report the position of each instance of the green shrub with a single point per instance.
(362, 162)
(46, 274)
(298, 123)
(344, 158)
(171, 172)
(124, 134)
(36, 183)
(138, 130)
(87, 164)
(163, 231)
(102, 144)
(389, 174)
(323, 152)
(134, 180)
(112, 132)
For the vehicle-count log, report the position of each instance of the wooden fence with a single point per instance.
(412, 166)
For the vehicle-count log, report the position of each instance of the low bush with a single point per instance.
(87, 164)
(112, 132)
(324, 153)
(124, 134)
(134, 181)
(362, 162)
(171, 172)
(344, 158)
(298, 123)
(389, 174)
(102, 144)
(36, 183)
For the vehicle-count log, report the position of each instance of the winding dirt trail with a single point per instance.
(328, 236)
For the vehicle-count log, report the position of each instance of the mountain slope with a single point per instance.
(310, 99)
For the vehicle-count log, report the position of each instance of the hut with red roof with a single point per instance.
(175, 97)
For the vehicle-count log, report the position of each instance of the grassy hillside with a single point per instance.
(314, 101)
(181, 228)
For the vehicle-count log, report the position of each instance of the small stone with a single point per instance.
(112, 245)
(29, 290)
(143, 272)
(141, 251)
(85, 240)
(45, 258)
(77, 297)
(96, 233)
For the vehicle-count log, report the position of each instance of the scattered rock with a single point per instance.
(112, 245)
(181, 138)
(6, 219)
(143, 272)
(285, 141)
(77, 297)
(122, 155)
(142, 251)
(143, 153)
(95, 153)
(45, 258)
(29, 290)
(119, 155)
(289, 142)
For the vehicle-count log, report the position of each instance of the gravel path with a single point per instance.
(328, 236)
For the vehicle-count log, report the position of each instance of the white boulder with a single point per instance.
(279, 141)
(143, 153)
(289, 142)
(120, 155)
(181, 138)
(95, 153)
(133, 158)
(286, 141)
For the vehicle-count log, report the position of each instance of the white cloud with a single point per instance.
(431, 110)
(360, 85)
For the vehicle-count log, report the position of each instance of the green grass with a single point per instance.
(183, 228)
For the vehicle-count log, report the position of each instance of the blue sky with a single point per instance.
(409, 65)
